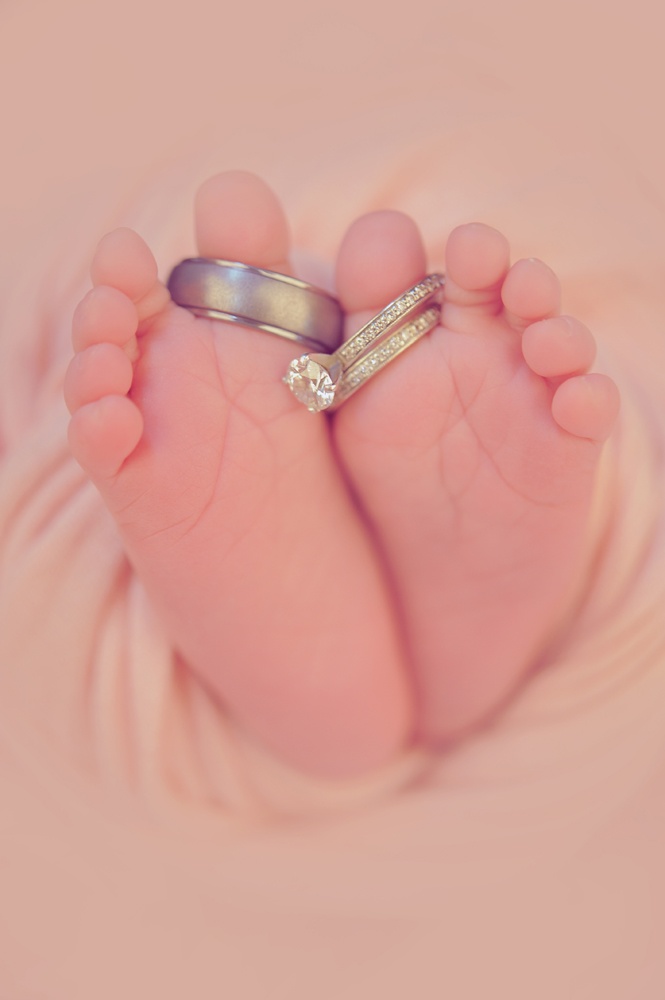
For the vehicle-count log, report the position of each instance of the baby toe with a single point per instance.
(477, 260)
(558, 346)
(530, 292)
(382, 254)
(103, 434)
(238, 217)
(105, 315)
(124, 261)
(587, 406)
(100, 370)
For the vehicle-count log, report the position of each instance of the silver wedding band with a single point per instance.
(267, 300)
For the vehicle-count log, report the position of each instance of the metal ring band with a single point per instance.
(269, 301)
(395, 312)
(354, 377)
(323, 381)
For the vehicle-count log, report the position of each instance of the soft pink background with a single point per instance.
(145, 849)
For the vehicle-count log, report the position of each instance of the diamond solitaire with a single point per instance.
(313, 382)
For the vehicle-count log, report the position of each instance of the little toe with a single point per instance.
(238, 217)
(558, 346)
(100, 370)
(382, 254)
(530, 292)
(125, 262)
(477, 261)
(587, 406)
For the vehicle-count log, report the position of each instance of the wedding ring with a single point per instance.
(354, 377)
(269, 301)
(323, 381)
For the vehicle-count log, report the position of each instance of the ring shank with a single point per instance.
(263, 299)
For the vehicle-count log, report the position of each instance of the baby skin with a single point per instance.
(346, 585)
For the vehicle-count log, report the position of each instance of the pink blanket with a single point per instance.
(147, 849)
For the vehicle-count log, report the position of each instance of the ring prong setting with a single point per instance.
(313, 379)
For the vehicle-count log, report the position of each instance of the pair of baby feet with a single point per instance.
(346, 585)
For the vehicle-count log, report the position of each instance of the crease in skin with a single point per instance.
(560, 434)
(466, 407)
(151, 305)
(452, 312)
(126, 523)
(119, 511)
(189, 523)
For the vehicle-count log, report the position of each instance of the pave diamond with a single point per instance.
(349, 351)
(356, 375)
(311, 383)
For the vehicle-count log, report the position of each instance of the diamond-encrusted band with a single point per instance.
(267, 300)
(395, 311)
(323, 381)
(354, 377)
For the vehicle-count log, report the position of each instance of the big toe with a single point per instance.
(238, 217)
(381, 255)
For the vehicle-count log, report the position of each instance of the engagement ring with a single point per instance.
(323, 381)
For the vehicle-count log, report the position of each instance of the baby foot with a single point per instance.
(475, 458)
(230, 502)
